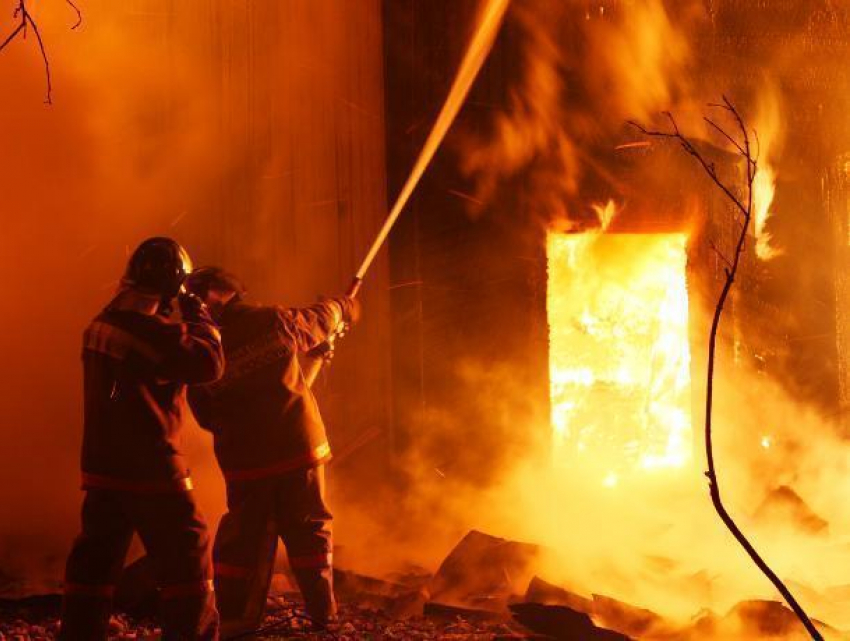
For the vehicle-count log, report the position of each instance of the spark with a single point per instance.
(640, 144)
(460, 194)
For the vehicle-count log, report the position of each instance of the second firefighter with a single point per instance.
(271, 445)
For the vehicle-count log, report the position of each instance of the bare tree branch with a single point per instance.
(78, 12)
(689, 147)
(48, 98)
(12, 35)
(742, 144)
(25, 21)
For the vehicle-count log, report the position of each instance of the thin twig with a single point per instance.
(25, 21)
(688, 146)
(12, 35)
(742, 144)
(723, 133)
(28, 18)
(78, 12)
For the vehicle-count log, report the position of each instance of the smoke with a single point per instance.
(224, 126)
(582, 75)
(636, 62)
(83, 180)
(653, 538)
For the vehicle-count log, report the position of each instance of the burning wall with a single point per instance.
(539, 144)
(619, 350)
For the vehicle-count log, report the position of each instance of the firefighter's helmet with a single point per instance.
(158, 266)
(203, 279)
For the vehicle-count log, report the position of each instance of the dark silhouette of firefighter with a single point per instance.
(137, 364)
(271, 444)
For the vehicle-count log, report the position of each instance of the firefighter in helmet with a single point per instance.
(271, 445)
(137, 364)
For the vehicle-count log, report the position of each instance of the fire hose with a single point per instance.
(490, 20)
(479, 47)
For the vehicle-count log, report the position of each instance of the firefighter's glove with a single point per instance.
(329, 354)
(192, 308)
(324, 350)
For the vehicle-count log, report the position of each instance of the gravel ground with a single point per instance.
(37, 620)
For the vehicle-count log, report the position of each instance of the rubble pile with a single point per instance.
(283, 621)
(30, 618)
(484, 589)
(357, 622)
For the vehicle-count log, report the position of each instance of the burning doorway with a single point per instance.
(619, 353)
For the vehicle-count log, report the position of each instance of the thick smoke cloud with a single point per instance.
(582, 74)
(84, 180)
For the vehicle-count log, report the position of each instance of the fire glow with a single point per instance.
(619, 360)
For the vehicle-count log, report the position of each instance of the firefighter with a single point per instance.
(271, 445)
(136, 365)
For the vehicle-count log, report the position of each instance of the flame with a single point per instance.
(768, 126)
(636, 65)
(764, 189)
(619, 350)
(632, 65)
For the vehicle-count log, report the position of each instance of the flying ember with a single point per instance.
(619, 358)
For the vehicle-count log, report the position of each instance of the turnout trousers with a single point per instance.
(290, 507)
(176, 539)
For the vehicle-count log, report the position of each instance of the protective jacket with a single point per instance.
(262, 413)
(136, 368)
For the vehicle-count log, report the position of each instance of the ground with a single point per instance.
(37, 619)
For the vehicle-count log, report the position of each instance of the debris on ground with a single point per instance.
(484, 572)
(476, 594)
(283, 621)
(539, 591)
(761, 619)
(561, 622)
(397, 599)
(783, 508)
(630, 620)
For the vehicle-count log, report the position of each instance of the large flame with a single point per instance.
(619, 351)
(769, 129)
